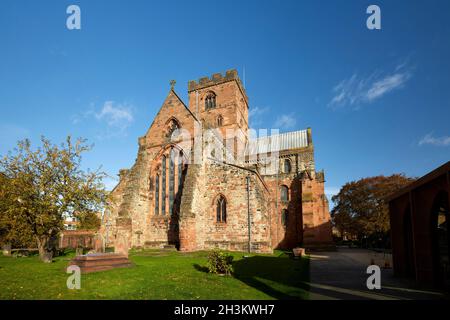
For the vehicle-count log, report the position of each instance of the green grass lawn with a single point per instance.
(159, 275)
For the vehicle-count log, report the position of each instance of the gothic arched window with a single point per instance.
(210, 100)
(284, 190)
(221, 209)
(284, 217)
(157, 194)
(171, 127)
(163, 185)
(219, 121)
(287, 166)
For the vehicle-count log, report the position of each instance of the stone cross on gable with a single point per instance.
(172, 84)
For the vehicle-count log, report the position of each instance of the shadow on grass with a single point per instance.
(200, 268)
(280, 277)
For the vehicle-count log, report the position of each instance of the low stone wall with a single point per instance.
(72, 239)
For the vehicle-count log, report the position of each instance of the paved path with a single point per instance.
(342, 275)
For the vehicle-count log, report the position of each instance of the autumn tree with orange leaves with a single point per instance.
(360, 208)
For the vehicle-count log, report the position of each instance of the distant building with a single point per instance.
(419, 215)
(190, 194)
(70, 223)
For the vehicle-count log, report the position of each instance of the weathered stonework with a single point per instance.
(171, 195)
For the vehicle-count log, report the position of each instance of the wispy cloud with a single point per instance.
(257, 111)
(116, 118)
(116, 115)
(285, 121)
(255, 115)
(428, 139)
(358, 90)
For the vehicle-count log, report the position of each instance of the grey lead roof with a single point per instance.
(278, 142)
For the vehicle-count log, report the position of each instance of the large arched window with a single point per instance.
(284, 217)
(168, 181)
(210, 100)
(171, 179)
(221, 209)
(157, 194)
(287, 166)
(163, 185)
(284, 190)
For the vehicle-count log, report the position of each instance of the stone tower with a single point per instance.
(221, 102)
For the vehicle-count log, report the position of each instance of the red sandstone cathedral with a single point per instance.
(202, 180)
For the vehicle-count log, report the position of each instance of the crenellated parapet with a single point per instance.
(215, 79)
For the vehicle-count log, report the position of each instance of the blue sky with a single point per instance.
(378, 101)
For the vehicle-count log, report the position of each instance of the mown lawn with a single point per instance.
(159, 275)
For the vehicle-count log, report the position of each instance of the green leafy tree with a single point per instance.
(42, 186)
(88, 220)
(360, 208)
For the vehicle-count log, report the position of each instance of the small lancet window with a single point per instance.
(287, 166)
(219, 121)
(284, 193)
(221, 209)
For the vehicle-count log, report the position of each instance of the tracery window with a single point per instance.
(171, 180)
(168, 181)
(171, 127)
(221, 209)
(210, 100)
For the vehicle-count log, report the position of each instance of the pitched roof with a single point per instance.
(278, 142)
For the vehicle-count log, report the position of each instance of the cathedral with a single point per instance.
(203, 179)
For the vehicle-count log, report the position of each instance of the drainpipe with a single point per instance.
(248, 214)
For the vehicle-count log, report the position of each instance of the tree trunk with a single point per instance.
(45, 253)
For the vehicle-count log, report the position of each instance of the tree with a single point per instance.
(40, 187)
(88, 221)
(360, 207)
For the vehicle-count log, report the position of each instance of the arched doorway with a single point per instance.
(440, 236)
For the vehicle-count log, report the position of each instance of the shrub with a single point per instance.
(219, 262)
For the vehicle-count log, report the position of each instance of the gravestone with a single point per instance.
(122, 245)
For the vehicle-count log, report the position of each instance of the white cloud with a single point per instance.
(285, 121)
(255, 115)
(116, 115)
(257, 111)
(116, 118)
(428, 139)
(358, 90)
